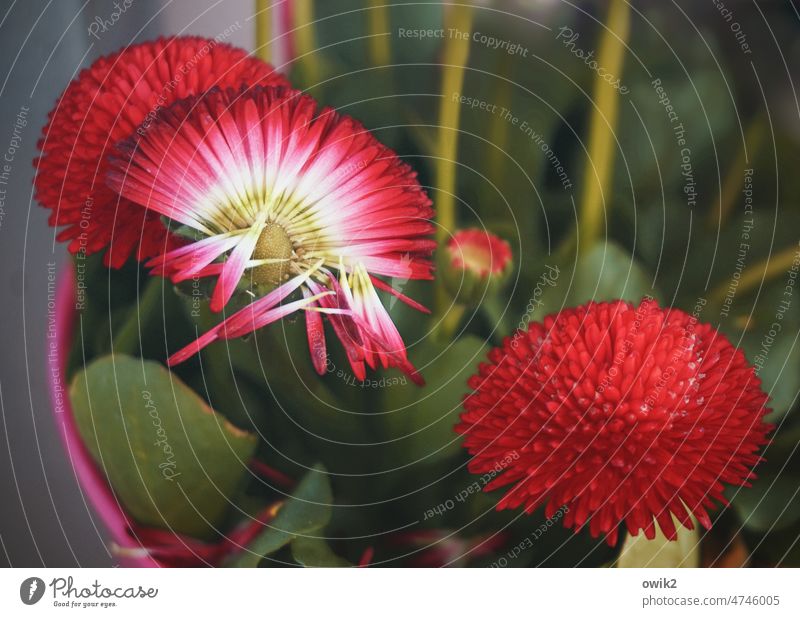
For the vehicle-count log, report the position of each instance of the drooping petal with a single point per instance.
(257, 314)
(316, 337)
(187, 261)
(365, 329)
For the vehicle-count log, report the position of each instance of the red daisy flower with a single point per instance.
(621, 413)
(105, 104)
(282, 196)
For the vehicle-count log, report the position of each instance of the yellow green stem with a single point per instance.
(306, 41)
(597, 175)
(264, 30)
(759, 273)
(734, 179)
(458, 19)
(380, 53)
(450, 322)
(498, 160)
(458, 24)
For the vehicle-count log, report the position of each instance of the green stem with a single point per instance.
(380, 53)
(264, 29)
(597, 174)
(306, 41)
(458, 20)
(734, 179)
(456, 54)
(497, 155)
(128, 340)
(758, 274)
(450, 322)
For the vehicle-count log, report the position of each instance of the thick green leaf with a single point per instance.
(422, 419)
(751, 319)
(780, 374)
(308, 510)
(172, 461)
(315, 553)
(608, 272)
(605, 272)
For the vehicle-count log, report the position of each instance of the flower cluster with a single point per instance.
(203, 162)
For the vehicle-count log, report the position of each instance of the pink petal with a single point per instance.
(233, 269)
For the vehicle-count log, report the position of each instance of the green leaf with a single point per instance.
(772, 503)
(606, 272)
(308, 510)
(422, 419)
(315, 553)
(780, 373)
(172, 461)
(639, 552)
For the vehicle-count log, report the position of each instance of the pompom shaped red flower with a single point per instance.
(623, 414)
(282, 196)
(105, 104)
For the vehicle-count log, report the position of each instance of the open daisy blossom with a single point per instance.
(283, 197)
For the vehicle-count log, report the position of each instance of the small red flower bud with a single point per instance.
(475, 263)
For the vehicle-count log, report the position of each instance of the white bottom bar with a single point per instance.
(389, 592)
